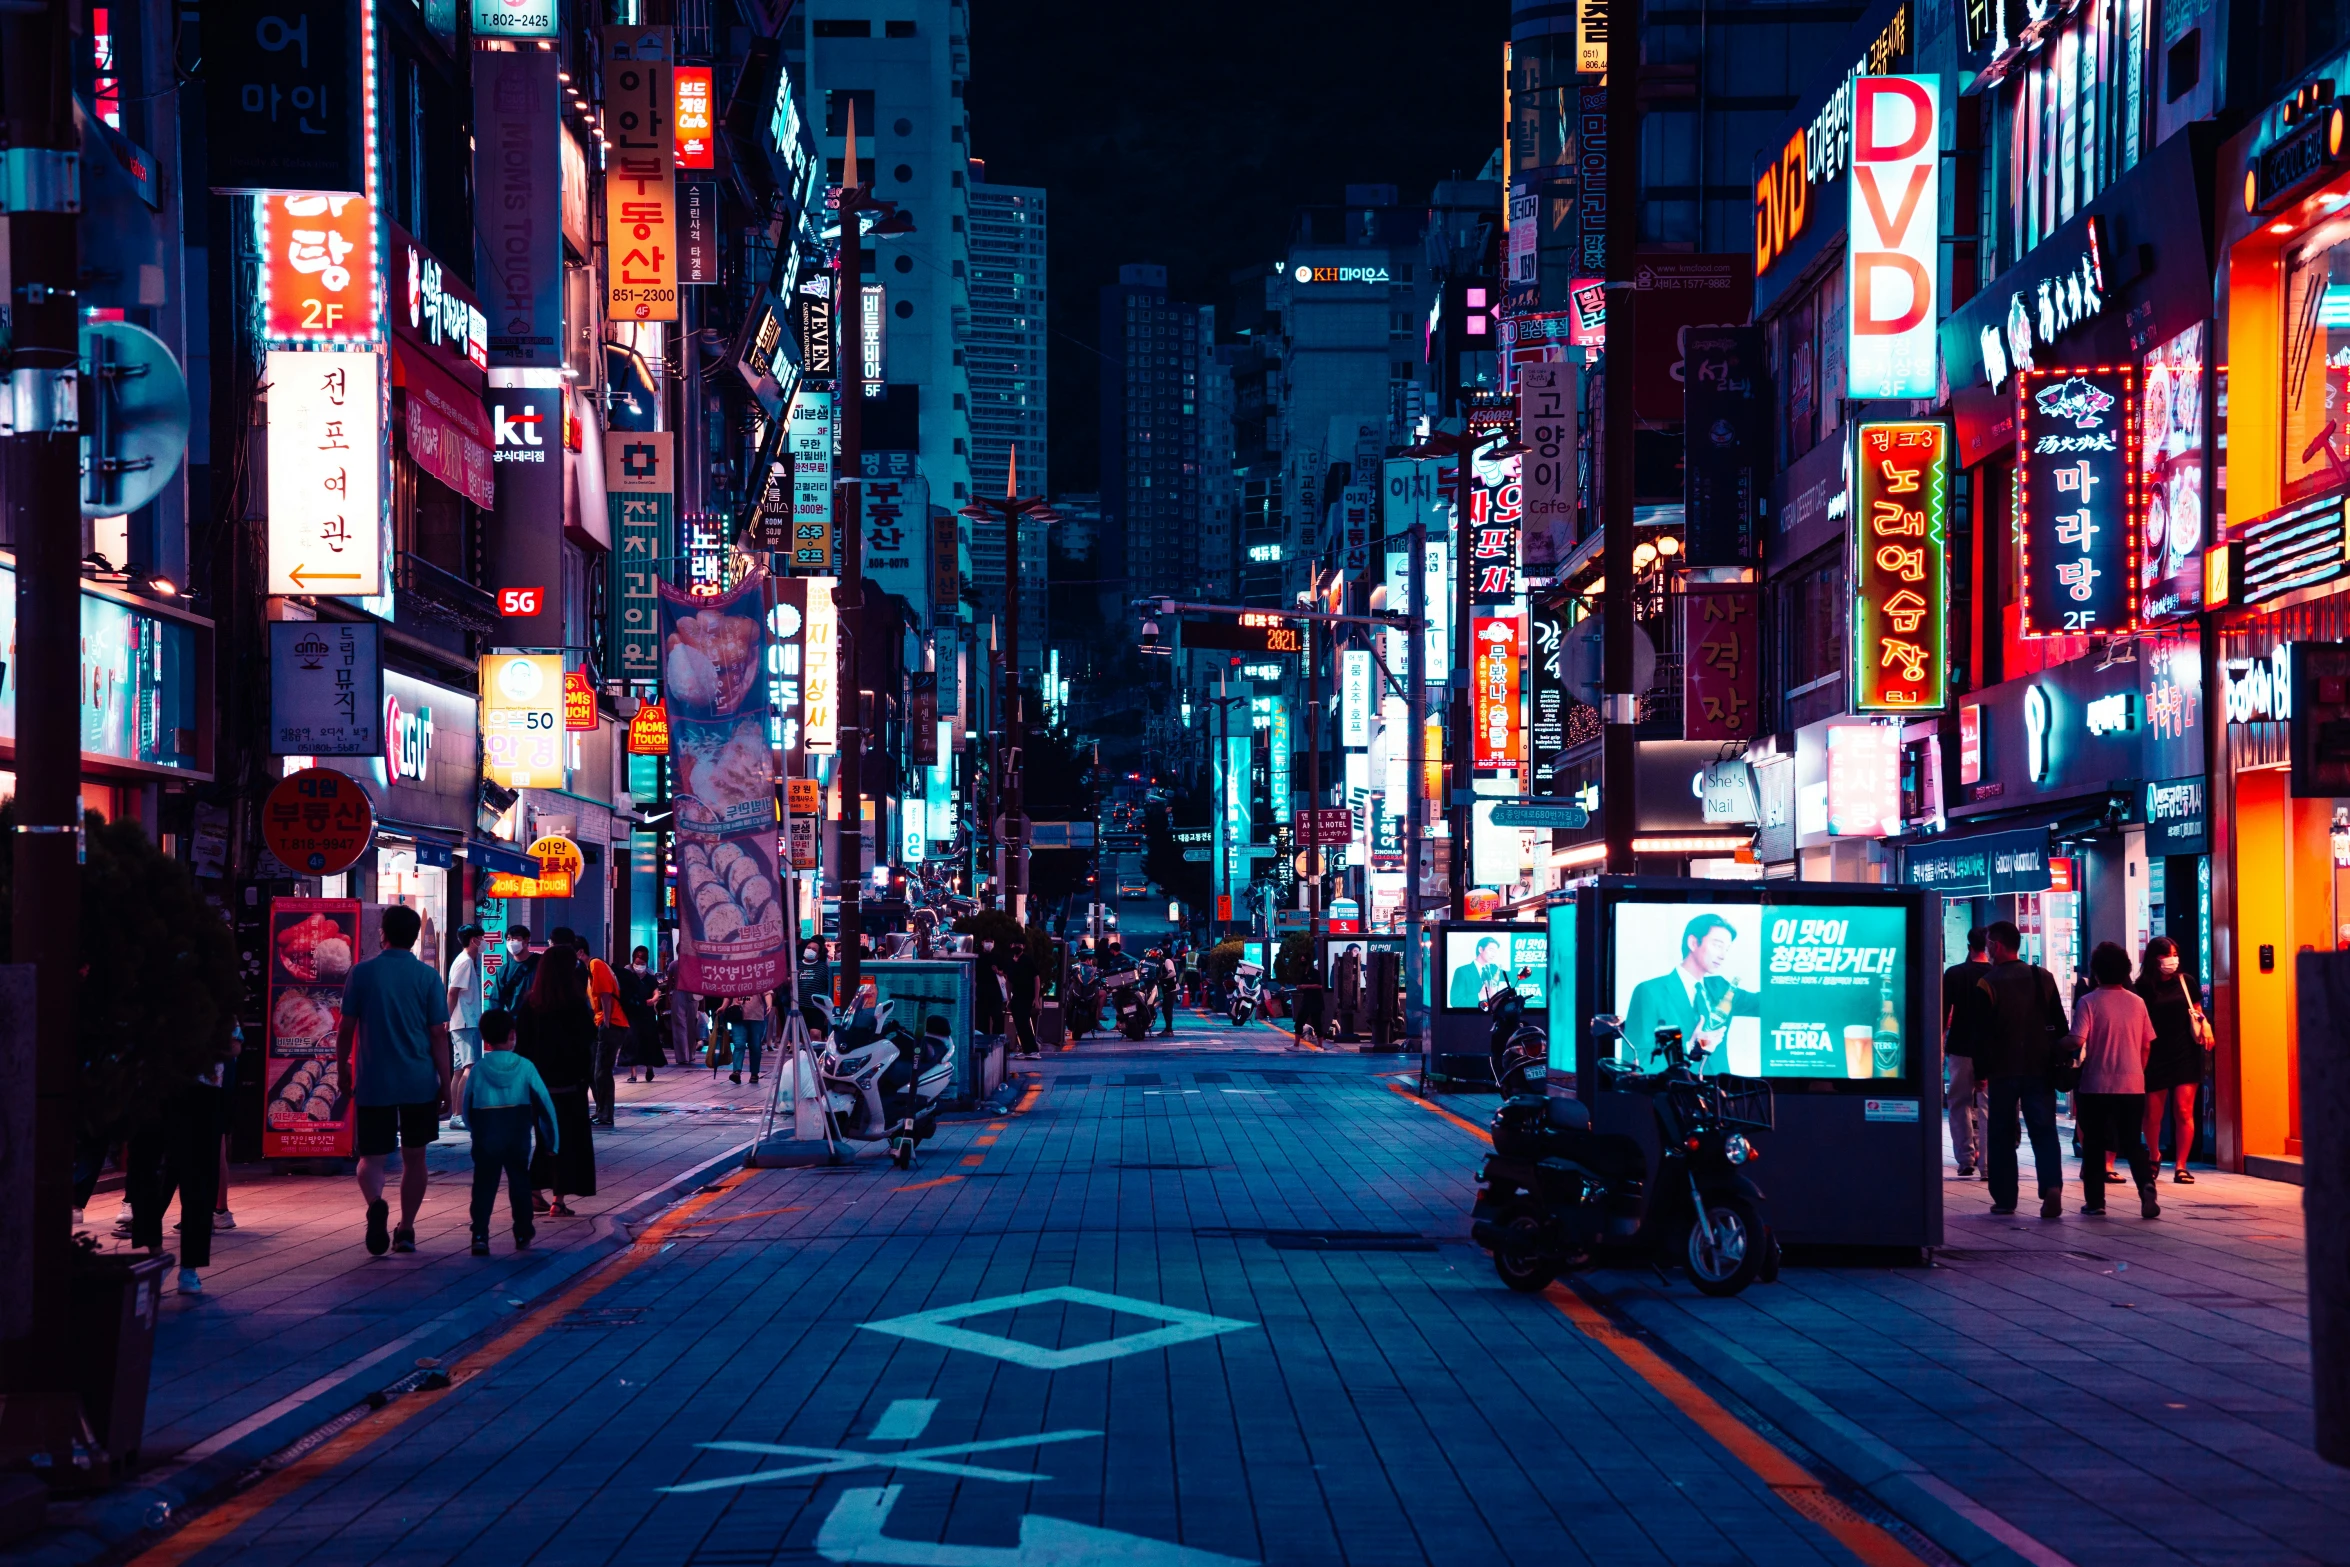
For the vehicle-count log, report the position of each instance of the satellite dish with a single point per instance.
(135, 417)
(1582, 660)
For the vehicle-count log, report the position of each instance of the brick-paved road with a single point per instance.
(1356, 1388)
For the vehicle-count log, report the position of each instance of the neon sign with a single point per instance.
(2078, 478)
(1900, 567)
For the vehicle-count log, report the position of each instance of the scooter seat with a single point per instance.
(1608, 1154)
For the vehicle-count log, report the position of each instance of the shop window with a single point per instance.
(842, 27)
(2317, 362)
(2182, 68)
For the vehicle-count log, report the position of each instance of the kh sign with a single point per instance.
(1900, 566)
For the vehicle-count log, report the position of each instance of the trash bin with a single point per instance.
(1050, 1032)
(116, 1303)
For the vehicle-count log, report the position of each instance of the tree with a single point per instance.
(159, 985)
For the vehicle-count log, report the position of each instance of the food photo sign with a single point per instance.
(313, 943)
(731, 940)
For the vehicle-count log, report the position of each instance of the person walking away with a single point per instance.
(465, 996)
(1962, 1024)
(512, 981)
(178, 1147)
(2182, 1044)
(505, 1101)
(1348, 977)
(222, 1219)
(556, 1032)
(2023, 1026)
(1164, 973)
(637, 987)
(2114, 1035)
(611, 1031)
(752, 1032)
(396, 1021)
(1022, 982)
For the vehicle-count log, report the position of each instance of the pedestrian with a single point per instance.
(684, 1018)
(178, 1147)
(1164, 973)
(989, 1015)
(1022, 979)
(1347, 982)
(2114, 1035)
(2023, 1030)
(2182, 1044)
(512, 981)
(222, 1219)
(637, 989)
(556, 1032)
(1962, 1025)
(611, 1030)
(505, 1101)
(396, 1020)
(465, 995)
(752, 1031)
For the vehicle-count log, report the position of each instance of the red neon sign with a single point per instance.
(1500, 655)
(521, 601)
(692, 116)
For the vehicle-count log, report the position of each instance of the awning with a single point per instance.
(448, 433)
(497, 857)
(1991, 864)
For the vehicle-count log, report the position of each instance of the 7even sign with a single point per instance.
(1895, 219)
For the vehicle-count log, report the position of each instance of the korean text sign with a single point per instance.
(1496, 508)
(318, 274)
(640, 487)
(1500, 647)
(325, 472)
(522, 720)
(1900, 566)
(2077, 438)
(325, 688)
(1896, 213)
(1722, 666)
(640, 185)
(810, 439)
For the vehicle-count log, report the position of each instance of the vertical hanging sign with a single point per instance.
(810, 439)
(1721, 671)
(1895, 215)
(518, 194)
(2077, 433)
(692, 117)
(640, 181)
(1500, 647)
(325, 472)
(1496, 505)
(1546, 424)
(1900, 566)
(640, 486)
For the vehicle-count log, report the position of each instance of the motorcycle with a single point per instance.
(1554, 1193)
(1136, 1002)
(880, 1080)
(1081, 1001)
(1247, 985)
(1520, 1050)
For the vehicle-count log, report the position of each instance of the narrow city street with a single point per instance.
(1211, 1300)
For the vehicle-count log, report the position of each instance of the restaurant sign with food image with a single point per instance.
(312, 944)
(729, 903)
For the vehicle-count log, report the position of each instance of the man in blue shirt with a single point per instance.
(396, 1014)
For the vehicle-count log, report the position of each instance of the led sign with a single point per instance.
(325, 472)
(2055, 305)
(2294, 160)
(1259, 632)
(2078, 478)
(2299, 547)
(2258, 688)
(1499, 653)
(1311, 274)
(318, 278)
(1900, 566)
(692, 116)
(1891, 256)
(2113, 714)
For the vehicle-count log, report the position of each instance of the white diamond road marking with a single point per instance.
(936, 1327)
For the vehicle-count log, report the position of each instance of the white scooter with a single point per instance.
(1248, 981)
(881, 1082)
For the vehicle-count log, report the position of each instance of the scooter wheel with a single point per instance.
(1735, 1256)
(1522, 1257)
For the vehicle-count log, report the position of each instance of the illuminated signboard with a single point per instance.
(691, 116)
(1354, 685)
(2077, 436)
(1258, 631)
(325, 472)
(820, 684)
(1312, 274)
(522, 720)
(318, 274)
(640, 180)
(1864, 781)
(1817, 153)
(514, 19)
(1900, 566)
(579, 702)
(810, 440)
(1893, 248)
(2302, 546)
(1496, 510)
(648, 731)
(1500, 647)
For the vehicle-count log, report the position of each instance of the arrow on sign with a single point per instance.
(303, 579)
(852, 1533)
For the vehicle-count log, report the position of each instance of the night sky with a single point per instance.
(1187, 134)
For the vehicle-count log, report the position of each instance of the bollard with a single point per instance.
(2322, 986)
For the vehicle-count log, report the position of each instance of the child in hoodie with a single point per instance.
(505, 1098)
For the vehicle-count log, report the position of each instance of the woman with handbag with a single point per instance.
(2112, 1035)
(2182, 1044)
(556, 1032)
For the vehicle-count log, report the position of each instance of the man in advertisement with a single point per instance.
(1696, 996)
(1474, 978)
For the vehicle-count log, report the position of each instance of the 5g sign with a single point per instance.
(521, 601)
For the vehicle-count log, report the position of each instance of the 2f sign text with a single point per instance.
(1895, 213)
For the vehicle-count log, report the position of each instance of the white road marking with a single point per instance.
(935, 1327)
(904, 1420)
(834, 1460)
(852, 1532)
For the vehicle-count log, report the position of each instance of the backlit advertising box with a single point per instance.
(1891, 251)
(1900, 566)
(2077, 474)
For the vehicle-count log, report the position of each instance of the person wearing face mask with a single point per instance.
(512, 981)
(2182, 1039)
(636, 999)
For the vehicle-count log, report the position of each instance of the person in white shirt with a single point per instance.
(465, 1002)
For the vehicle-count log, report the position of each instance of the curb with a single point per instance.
(1962, 1527)
(111, 1523)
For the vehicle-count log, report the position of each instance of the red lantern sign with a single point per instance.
(579, 702)
(648, 731)
(1900, 566)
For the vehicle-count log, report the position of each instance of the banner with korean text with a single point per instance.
(2078, 473)
(640, 487)
(640, 178)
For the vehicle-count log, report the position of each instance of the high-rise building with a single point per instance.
(1155, 350)
(1005, 348)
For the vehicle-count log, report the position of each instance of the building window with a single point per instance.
(898, 30)
(842, 27)
(838, 101)
(959, 452)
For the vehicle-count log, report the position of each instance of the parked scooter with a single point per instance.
(1520, 1050)
(1248, 981)
(1554, 1192)
(1081, 1001)
(1136, 1002)
(880, 1080)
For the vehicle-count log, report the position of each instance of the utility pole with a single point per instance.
(40, 1412)
(1461, 747)
(1316, 647)
(1619, 789)
(1013, 835)
(1415, 673)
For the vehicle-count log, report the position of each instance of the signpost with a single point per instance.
(1540, 814)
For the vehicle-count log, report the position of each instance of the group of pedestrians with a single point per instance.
(2133, 1050)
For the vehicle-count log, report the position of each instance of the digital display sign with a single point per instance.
(2077, 435)
(1258, 633)
(1794, 991)
(1900, 567)
(1476, 962)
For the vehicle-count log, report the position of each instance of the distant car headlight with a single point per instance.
(1737, 1148)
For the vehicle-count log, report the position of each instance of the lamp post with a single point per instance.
(1619, 703)
(1011, 511)
(848, 593)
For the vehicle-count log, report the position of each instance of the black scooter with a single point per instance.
(1554, 1193)
(1137, 1002)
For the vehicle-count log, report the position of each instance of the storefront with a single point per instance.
(146, 698)
(425, 788)
(2276, 576)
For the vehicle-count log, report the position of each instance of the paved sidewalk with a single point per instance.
(297, 1322)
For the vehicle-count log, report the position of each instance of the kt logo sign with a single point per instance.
(517, 434)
